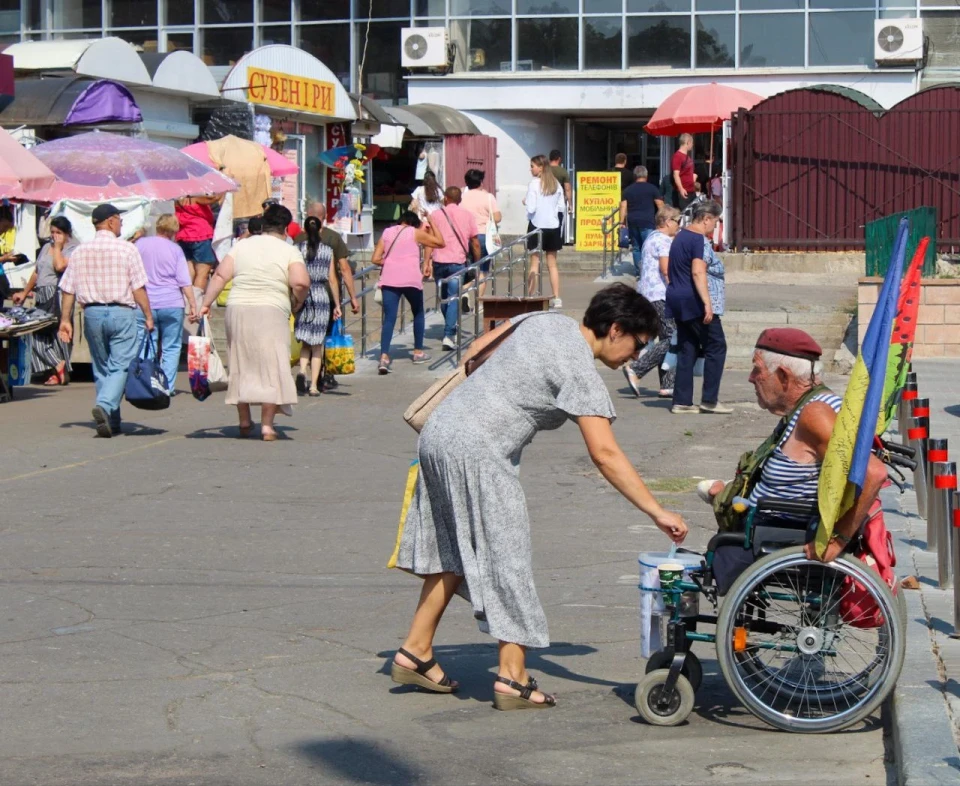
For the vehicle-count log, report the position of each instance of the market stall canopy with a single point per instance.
(286, 78)
(66, 101)
(699, 109)
(21, 172)
(280, 165)
(98, 167)
(102, 58)
(426, 120)
(180, 72)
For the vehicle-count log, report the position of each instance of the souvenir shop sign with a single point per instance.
(286, 91)
(336, 134)
(598, 194)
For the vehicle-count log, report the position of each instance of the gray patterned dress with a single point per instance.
(469, 514)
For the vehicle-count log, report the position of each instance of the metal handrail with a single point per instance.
(506, 255)
(610, 230)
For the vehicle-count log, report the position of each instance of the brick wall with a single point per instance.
(938, 322)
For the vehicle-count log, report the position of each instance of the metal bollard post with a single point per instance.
(917, 433)
(908, 394)
(941, 511)
(935, 450)
(955, 535)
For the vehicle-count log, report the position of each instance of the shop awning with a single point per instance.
(431, 120)
(104, 58)
(66, 101)
(290, 81)
(180, 72)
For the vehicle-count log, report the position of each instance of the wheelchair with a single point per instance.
(792, 645)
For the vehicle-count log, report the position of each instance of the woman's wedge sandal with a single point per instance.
(504, 701)
(418, 676)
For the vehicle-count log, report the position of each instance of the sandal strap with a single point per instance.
(525, 690)
(423, 666)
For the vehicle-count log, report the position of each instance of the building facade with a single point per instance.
(582, 76)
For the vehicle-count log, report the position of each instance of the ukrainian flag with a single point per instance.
(845, 463)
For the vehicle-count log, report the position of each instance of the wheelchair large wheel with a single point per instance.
(792, 651)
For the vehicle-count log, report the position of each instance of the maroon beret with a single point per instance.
(789, 341)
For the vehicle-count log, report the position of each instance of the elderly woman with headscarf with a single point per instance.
(50, 354)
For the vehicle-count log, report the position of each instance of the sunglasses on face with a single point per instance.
(639, 344)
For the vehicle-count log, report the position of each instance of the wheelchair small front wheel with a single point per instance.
(658, 709)
(692, 668)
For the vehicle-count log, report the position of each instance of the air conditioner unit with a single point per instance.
(898, 40)
(423, 47)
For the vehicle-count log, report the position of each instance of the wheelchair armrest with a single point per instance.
(725, 539)
(793, 507)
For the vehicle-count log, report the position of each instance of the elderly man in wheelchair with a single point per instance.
(807, 643)
(779, 480)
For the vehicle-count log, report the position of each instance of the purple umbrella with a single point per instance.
(98, 167)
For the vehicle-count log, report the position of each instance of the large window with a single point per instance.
(275, 10)
(144, 38)
(382, 76)
(602, 42)
(658, 41)
(771, 40)
(942, 29)
(10, 16)
(545, 7)
(224, 46)
(330, 44)
(216, 12)
(382, 9)
(73, 14)
(844, 38)
(320, 10)
(133, 13)
(484, 44)
(479, 7)
(716, 41)
(179, 12)
(547, 44)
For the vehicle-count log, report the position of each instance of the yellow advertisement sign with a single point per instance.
(598, 193)
(286, 91)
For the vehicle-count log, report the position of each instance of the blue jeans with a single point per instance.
(638, 237)
(391, 304)
(111, 333)
(451, 310)
(485, 267)
(167, 339)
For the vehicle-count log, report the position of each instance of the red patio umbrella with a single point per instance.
(21, 172)
(280, 165)
(699, 109)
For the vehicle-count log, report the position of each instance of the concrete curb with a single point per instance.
(925, 750)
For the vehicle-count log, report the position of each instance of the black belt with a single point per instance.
(106, 305)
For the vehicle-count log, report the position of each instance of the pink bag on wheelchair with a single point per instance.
(857, 608)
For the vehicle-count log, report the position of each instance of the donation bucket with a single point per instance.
(652, 609)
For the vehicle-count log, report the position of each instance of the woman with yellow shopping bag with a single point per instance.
(467, 530)
(270, 281)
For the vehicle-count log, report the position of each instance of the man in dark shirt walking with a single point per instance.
(626, 174)
(638, 210)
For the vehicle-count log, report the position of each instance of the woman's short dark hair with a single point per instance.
(620, 305)
(276, 218)
(410, 218)
(63, 224)
(474, 178)
(255, 226)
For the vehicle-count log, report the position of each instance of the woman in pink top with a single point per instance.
(483, 205)
(398, 253)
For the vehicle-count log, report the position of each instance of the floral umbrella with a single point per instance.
(98, 167)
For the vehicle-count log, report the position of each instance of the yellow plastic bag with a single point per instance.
(338, 354)
(407, 499)
(224, 294)
(295, 345)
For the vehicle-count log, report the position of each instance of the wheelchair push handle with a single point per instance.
(901, 461)
(903, 450)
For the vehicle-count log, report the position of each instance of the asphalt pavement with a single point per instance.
(183, 607)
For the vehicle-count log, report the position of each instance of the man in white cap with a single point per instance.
(107, 279)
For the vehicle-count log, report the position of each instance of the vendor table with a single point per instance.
(6, 336)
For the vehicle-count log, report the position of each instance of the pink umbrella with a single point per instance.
(280, 166)
(98, 167)
(21, 172)
(699, 109)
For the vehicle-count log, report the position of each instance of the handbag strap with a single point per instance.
(484, 354)
(491, 219)
(392, 244)
(455, 233)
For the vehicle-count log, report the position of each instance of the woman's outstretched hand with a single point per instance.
(673, 526)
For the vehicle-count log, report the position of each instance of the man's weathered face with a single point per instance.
(767, 384)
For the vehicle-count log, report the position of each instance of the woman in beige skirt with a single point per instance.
(270, 281)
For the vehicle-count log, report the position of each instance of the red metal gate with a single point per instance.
(813, 166)
(470, 151)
